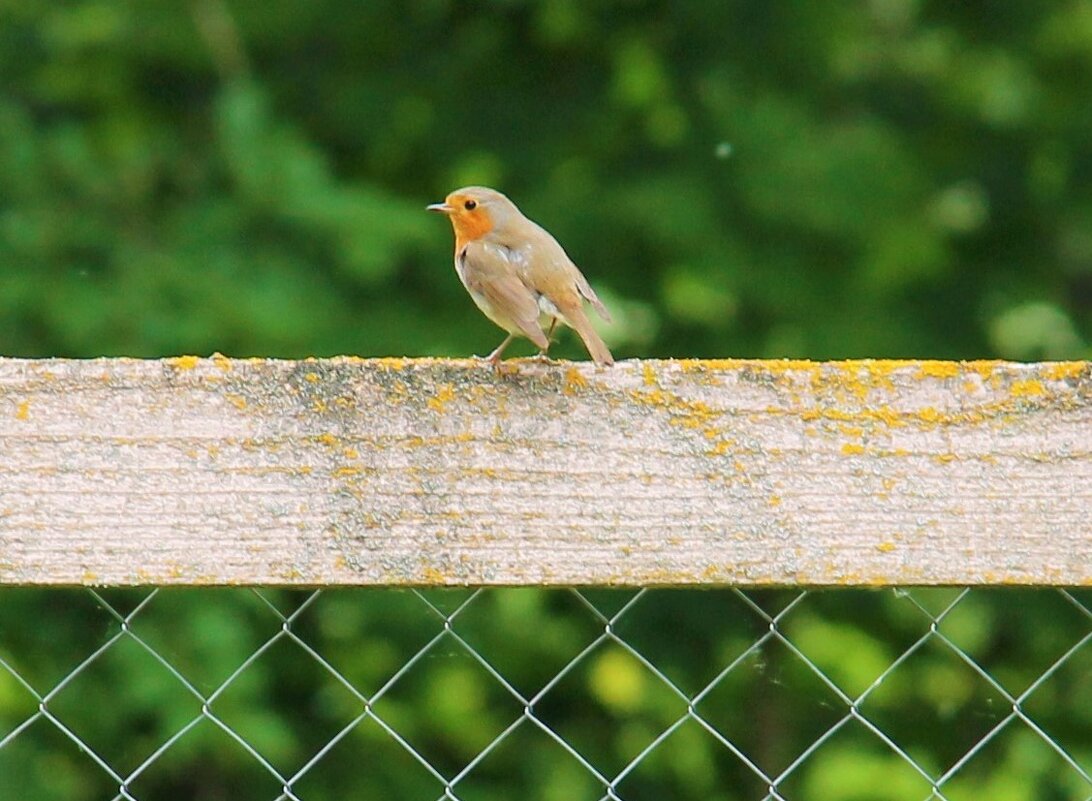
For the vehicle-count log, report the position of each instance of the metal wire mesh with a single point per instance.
(503, 693)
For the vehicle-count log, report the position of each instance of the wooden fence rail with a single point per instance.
(431, 472)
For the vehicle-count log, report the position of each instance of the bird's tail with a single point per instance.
(579, 322)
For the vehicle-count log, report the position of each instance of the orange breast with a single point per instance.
(470, 225)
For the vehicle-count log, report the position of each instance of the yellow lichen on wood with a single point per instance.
(1060, 371)
(935, 369)
(986, 369)
(433, 575)
(929, 415)
(1027, 389)
(184, 362)
(438, 402)
(876, 375)
(882, 414)
(574, 381)
(693, 414)
(721, 447)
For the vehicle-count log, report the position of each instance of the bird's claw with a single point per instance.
(501, 368)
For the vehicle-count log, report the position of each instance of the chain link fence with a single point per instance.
(546, 694)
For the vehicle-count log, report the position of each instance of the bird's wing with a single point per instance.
(548, 271)
(589, 294)
(488, 272)
(546, 252)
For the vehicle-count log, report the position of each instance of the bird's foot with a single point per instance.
(501, 368)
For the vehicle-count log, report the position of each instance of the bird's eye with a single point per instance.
(470, 205)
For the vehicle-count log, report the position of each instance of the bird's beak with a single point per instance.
(443, 208)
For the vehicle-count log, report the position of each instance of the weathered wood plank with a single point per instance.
(349, 471)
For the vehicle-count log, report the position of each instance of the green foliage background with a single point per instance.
(890, 178)
(873, 179)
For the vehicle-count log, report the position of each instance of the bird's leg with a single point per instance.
(494, 357)
(543, 354)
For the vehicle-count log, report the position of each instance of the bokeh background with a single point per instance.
(885, 178)
(892, 178)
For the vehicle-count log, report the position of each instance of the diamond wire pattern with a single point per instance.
(447, 636)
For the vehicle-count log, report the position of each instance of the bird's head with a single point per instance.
(475, 211)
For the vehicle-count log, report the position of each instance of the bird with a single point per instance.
(517, 273)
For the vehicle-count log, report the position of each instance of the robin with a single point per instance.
(518, 274)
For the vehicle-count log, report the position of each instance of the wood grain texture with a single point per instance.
(431, 472)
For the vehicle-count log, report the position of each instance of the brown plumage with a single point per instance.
(518, 274)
